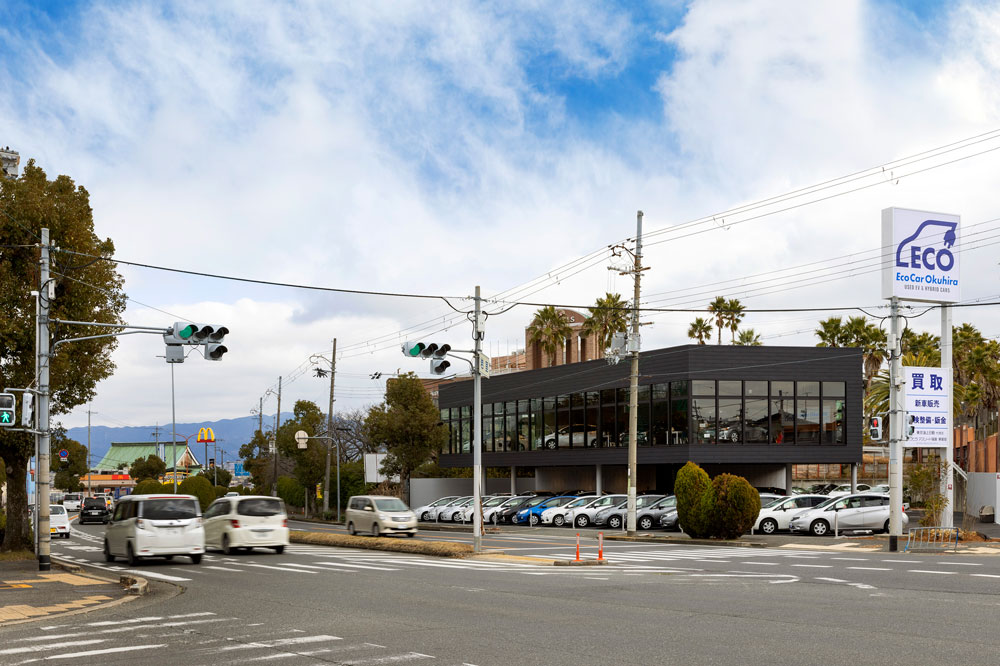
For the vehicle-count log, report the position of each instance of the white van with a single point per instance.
(246, 522)
(380, 514)
(72, 501)
(155, 526)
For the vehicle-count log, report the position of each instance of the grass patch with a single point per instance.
(16, 555)
(392, 544)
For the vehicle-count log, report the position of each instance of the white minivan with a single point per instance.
(246, 522)
(155, 526)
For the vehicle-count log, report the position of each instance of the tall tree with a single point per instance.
(92, 290)
(734, 315)
(549, 330)
(700, 330)
(408, 425)
(749, 338)
(309, 463)
(68, 473)
(719, 308)
(150, 467)
(608, 316)
(831, 332)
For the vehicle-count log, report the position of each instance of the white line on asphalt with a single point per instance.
(815, 566)
(50, 646)
(391, 660)
(850, 559)
(188, 570)
(898, 561)
(285, 569)
(94, 653)
(961, 564)
(208, 566)
(354, 565)
(832, 580)
(763, 564)
(871, 568)
(282, 642)
(945, 573)
(986, 575)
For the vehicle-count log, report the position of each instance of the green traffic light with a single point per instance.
(5, 417)
(415, 349)
(186, 332)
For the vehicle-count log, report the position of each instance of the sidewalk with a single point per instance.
(27, 594)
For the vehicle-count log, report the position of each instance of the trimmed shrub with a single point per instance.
(693, 508)
(167, 488)
(149, 487)
(734, 506)
(291, 491)
(220, 491)
(200, 487)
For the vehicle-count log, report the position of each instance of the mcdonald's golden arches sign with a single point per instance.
(206, 435)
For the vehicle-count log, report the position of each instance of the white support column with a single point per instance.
(598, 481)
(948, 475)
(854, 477)
(895, 430)
(789, 480)
(513, 480)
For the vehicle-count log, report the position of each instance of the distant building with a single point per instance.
(106, 473)
(10, 161)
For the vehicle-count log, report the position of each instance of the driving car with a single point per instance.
(247, 522)
(58, 521)
(155, 526)
(777, 514)
(94, 510)
(72, 501)
(583, 516)
(380, 514)
(556, 515)
(429, 511)
(533, 514)
(850, 512)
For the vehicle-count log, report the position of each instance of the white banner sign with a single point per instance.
(927, 392)
(920, 261)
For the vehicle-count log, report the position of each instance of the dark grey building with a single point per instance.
(753, 411)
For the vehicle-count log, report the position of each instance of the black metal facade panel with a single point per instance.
(671, 364)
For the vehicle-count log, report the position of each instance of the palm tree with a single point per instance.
(922, 343)
(734, 315)
(549, 330)
(719, 309)
(700, 330)
(830, 332)
(877, 395)
(608, 316)
(748, 338)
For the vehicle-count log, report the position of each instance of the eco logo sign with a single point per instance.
(924, 262)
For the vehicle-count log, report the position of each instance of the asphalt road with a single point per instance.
(656, 604)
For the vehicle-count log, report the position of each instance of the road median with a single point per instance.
(391, 544)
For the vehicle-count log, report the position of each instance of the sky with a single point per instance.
(427, 148)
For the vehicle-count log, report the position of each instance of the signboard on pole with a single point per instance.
(63, 455)
(919, 259)
(927, 402)
(373, 467)
(485, 363)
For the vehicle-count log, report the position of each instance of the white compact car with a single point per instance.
(72, 501)
(246, 522)
(559, 515)
(454, 512)
(58, 521)
(429, 511)
(779, 513)
(492, 513)
(583, 516)
(851, 512)
(155, 526)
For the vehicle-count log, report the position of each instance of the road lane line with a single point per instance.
(945, 573)
(94, 653)
(832, 580)
(208, 566)
(284, 569)
(281, 642)
(961, 564)
(871, 568)
(815, 566)
(850, 559)
(51, 646)
(353, 565)
(393, 659)
(985, 575)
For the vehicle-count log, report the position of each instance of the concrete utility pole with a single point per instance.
(633, 394)
(277, 424)
(44, 436)
(90, 485)
(948, 473)
(896, 426)
(477, 427)
(173, 433)
(330, 442)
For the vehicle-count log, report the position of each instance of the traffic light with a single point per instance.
(7, 405)
(413, 349)
(190, 333)
(439, 364)
(875, 428)
(28, 409)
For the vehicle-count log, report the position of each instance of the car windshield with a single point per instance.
(56, 510)
(646, 500)
(665, 503)
(443, 500)
(169, 509)
(770, 504)
(391, 504)
(579, 502)
(94, 503)
(71, 496)
(493, 501)
(259, 507)
(826, 503)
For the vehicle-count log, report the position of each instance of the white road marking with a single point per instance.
(391, 660)
(282, 642)
(285, 569)
(815, 566)
(961, 564)
(871, 568)
(354, 565)
(832, 580)
(50, 646)
(985, 575)
(850, 559)
(94, 653)
(209, 566)
(945, 573)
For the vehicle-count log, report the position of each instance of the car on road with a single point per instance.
(246, 522)
(779, 513)
(864, 511)
(72, 501)
(532, 515)
(380, 514)
(557, 515)
(155, 526)
(94, 510)
(429, 511)
(58, 521)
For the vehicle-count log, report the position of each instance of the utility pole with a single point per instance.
(477, 427)
(329, 442)
(156, 434)
(44, 363)
(895, 428)
(633, 394)
(260, 416)
(948, 473)
(90, 485)
(173, 434)
(277, 424)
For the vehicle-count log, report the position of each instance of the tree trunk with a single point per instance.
(17, 535)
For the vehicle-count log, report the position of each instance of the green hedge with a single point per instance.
(735, 505)
(148, 487)
(693, 507)
(291, 491)
(200, 487)
(220, 491)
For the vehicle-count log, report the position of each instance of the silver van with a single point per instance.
(155, 526)
(380, 514)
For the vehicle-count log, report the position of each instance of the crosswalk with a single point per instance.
(220, 640)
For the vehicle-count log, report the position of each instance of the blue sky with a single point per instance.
(430, 147)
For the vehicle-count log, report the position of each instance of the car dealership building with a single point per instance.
(752, 411)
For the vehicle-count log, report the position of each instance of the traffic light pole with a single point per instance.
(895, 429)
(477, 428)
(329, 443)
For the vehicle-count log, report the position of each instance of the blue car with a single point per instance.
(533, 515)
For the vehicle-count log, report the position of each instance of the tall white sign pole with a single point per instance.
(948, 475)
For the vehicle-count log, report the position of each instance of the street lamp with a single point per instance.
(320, 372)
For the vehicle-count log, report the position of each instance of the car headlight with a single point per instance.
(383, 516)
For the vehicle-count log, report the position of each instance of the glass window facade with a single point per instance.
(696, 412)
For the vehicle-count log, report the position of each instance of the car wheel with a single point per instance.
(425, 516)
(559, 520)
(226, 548)
(533, 520)
(130, 556)
(593, 442)
(168, 558)
(458, 517)
(278, 550)
(411, 534)
(769, 526)
(196, 559)
(108, 557)
(350, 529)
(734, 436)
(820, 528)
(645, 523)
(375, 530)
(885, 528)
(582, 521)
(615, 522)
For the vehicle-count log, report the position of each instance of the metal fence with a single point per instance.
(931, 539)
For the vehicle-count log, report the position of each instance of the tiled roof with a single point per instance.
(129, 452)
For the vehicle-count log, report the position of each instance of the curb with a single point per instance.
(579, 563)
(698, 542)
(132, 584)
